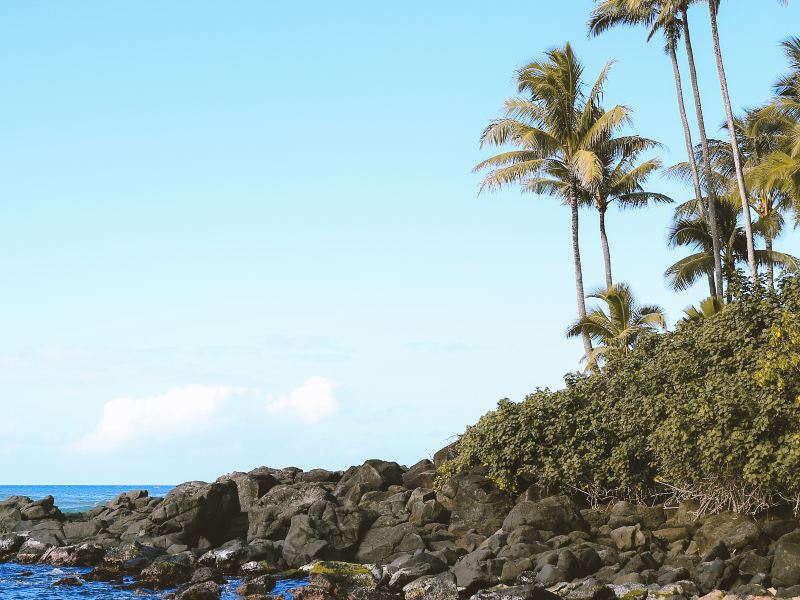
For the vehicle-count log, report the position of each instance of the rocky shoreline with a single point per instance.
(379, 531)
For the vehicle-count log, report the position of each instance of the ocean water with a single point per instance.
(78, 498)
(35, 582)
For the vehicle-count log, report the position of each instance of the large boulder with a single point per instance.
(250, 486)
(271, 516)
(477, 570)
(372, 476)
(474, 502)
(556, 513)
(196, 509)
(420, 475)
(383, 544)
(736, 531)
(786, 562)
(328, 532)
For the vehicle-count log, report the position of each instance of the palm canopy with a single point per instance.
(705, 310)
(781, 168)
(555, 129)
(619, 324)
(688, 229)
(622, 176)
(657, 16)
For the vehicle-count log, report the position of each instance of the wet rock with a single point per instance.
(207, 590)
(263, 584)
(71, 581)
(84, 555)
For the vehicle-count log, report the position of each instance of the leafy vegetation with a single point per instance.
(709, 411)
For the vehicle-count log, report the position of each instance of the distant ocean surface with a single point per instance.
(78, 498)
(34, 582)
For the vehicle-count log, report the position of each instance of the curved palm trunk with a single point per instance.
(737, 160)
(712, 199)
(576, 257)
(770, 264)
(606, 249)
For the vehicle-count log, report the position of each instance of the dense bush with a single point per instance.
(709, 411)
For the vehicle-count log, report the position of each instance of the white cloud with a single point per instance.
(178, 412)
(190, 410)
(312, 402)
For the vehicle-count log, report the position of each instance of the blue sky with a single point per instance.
(245, 234)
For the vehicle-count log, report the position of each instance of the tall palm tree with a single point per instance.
(622, 183)
(713, 10)
(555, 129)
(663, 16)
(757, 137)
(620, 326)
(682, 6)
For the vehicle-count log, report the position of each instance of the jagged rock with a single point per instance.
(477, 570)
(439, 587)
(785, 571)
(519, 592)
(556, 513)
(419, 565)
(31, 550)
(260, 585)
(207, 590)
(738, 532)
(164, 574)
(71, 581)
(629, 537)
(372, 476)
(271, 517)
(250, 487)
(384, 544)
(474, 502)
(196, 509)
(85, 555)
(627, 513)
(420, 475)
(227, 557)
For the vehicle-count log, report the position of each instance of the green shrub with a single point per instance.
(709, 411)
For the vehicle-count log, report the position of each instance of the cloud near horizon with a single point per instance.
(195, 409)
(312, 402)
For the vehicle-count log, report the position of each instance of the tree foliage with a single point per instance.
(709, 408)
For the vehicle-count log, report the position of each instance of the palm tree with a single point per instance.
(663, 16)
(620, 326)
(555, 129)
(688, 229)
(781, 169)
(713, 10)
(758, 136)
(706, 309)
(622, 182)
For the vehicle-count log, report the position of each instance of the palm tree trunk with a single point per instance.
(687, 132)
(606, 250)
(712, 198)
(576, 257)
(737, 160)
(770, 264)
(712, 288)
